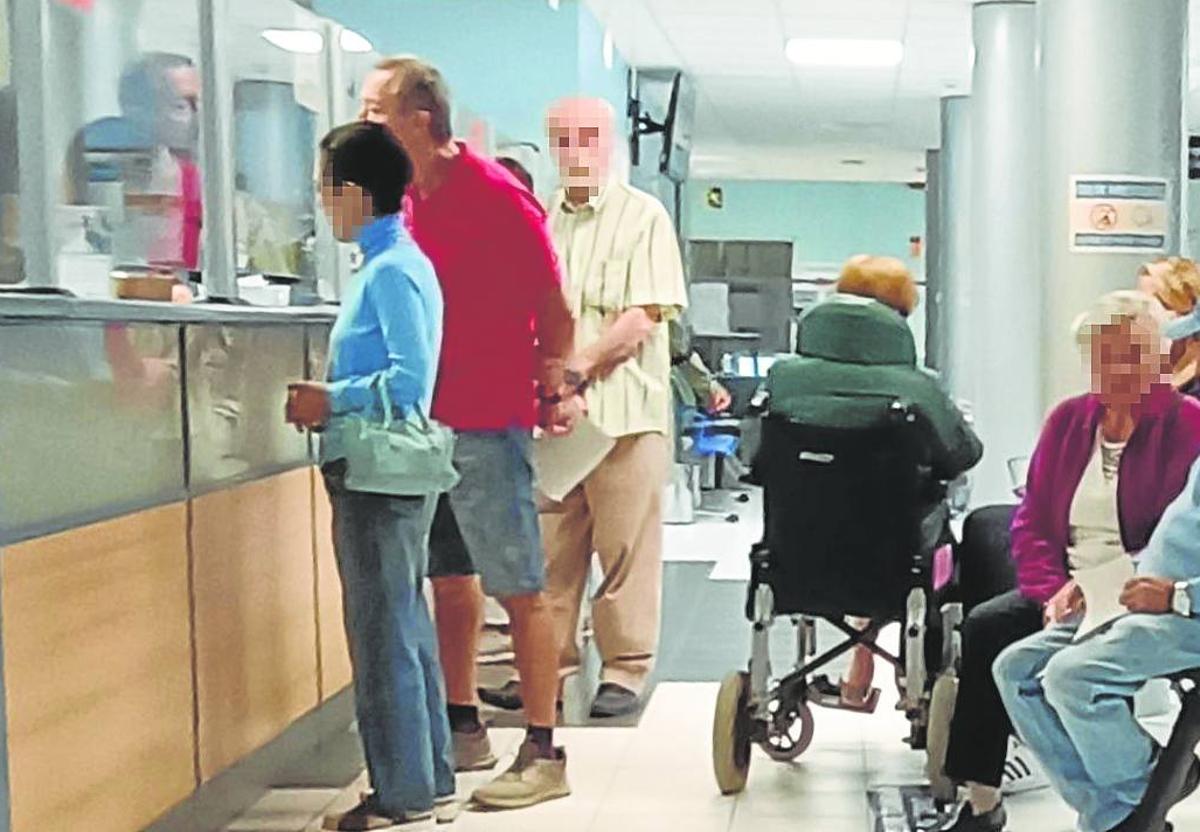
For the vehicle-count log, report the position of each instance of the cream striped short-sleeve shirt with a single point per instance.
(618, 252)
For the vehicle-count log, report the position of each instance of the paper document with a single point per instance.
(562, 462)
(1102, 587)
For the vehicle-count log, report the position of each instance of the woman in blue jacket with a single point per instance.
(388, 333)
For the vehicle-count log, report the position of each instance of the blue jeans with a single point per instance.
(1072, 705)
(399, 695)
(489, 522)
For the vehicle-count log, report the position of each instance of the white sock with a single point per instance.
(983, 799)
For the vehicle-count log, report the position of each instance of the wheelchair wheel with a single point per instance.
(731, 734)
(941, 713)
(790, 731)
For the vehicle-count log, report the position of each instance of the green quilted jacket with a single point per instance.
(856, 356)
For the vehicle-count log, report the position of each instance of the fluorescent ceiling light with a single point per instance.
(352, 41)
(834, 52)
(300, 41)
(553, 4)
(609, 49)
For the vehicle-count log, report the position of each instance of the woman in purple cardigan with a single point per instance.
(1106, 466)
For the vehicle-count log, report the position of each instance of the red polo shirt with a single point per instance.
(488, 240)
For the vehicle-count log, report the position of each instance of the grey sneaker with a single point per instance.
(473, 751)
(447, 809)
(531, 780)
(368, 817)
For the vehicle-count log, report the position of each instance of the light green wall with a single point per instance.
(827, 221)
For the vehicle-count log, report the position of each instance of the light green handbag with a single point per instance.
(408, 457)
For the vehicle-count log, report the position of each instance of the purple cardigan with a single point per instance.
(1153, 471)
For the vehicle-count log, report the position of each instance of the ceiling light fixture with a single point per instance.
(609, 50)
(553, 4)
(352, 41)
(299, 41)
(835, 52)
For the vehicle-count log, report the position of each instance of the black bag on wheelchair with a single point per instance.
(843, 511)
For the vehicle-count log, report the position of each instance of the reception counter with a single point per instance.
(168, 593)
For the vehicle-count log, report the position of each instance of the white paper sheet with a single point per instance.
(562, 462)
(1102, 587)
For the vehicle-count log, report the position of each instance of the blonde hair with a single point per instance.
(1174, 281)
(884, 279)
(1117, 308)
(418, 86)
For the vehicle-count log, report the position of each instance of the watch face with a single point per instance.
(1181, 602)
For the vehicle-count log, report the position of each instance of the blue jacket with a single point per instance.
(389, 330)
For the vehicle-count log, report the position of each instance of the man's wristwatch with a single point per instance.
(576, 380)
(1181, 600)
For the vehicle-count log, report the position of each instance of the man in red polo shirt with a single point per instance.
(507, 326)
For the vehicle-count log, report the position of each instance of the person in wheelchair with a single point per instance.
(857, 447)
(1106, 466)
(1070, 698)
(848, 348)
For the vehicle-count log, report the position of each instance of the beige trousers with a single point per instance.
(616, 513)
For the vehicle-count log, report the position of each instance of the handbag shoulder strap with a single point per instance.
(385, 398)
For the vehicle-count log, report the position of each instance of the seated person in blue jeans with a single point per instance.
(1070, 702)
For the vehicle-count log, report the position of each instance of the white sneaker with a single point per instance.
(1022, 772)
(447, 809)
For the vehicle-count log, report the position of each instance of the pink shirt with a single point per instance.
(488, 240)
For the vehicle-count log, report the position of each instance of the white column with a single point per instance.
(1005, 319)
(935, 296)
(954, 233)
(1112, 90)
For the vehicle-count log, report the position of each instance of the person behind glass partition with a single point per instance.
(149, 153)
(383, 353)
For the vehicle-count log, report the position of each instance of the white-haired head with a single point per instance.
(1122, 340)
(581, 133)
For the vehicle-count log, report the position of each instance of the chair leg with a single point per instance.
(1172, 769)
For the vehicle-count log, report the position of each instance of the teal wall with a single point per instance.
(827, 221)
(505, 60)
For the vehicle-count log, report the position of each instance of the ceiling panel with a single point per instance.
(758, 115)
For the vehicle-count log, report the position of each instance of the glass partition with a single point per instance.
(277, 54)
(124, 121)
(11, 261)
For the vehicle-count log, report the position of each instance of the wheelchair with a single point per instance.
(847, 533)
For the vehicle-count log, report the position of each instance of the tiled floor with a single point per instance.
(656, 776)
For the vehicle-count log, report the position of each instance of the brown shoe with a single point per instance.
(531, 780)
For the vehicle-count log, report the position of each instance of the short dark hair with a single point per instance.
(367, 155)
(516, 169)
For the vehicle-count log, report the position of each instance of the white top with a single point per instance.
(1095, 526)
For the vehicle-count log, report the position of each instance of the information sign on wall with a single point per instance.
(1110, 214)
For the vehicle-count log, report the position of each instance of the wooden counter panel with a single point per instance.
(256, 621)
(335, 655)
(98, 674)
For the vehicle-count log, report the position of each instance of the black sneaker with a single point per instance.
(612, 700)
(968, 821)
(506, 698)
